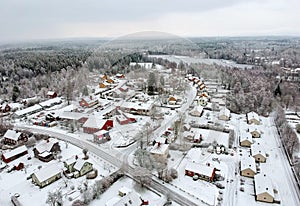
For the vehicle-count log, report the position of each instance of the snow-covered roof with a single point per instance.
(72, 115)
(136, 105)
(256, 148)
(129, 116)
(46, 145)
(263, 184)
(101, 132)
(159, 148)
(70, 160)
(47, 172)
(248, 162)
(253, 128)
(121, 118)
(253, 115)
(246, 136)
(79, 164)
(197, 110)
(200, 168)
(50, 93)
(144, 65)
(125, 190)
(162, 140)
(15, 152)
(34, 108)
(94, 122)
(225, 112)
(50, 102)
(11, 134)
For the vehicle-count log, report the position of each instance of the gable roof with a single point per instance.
(12, 134)
(248, 162)
(46, 145)
(79, 164)
(47, 172)
(246, 136)
(253, 115)
(263, 184)
(94, 122)
(257, 149)
(159, 148)
(15, 152)
(225, 112)
(200, 168)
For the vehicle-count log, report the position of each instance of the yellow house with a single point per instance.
(246, 139)
(254, 132)
(102, 85)
(248, 167)
(264, 190)
(258, 153)
(46, 176)
(253, 118)
(160, 150)
(110, 81)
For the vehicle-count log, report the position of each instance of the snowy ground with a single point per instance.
(31, 195)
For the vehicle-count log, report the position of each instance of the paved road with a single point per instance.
(175, 196)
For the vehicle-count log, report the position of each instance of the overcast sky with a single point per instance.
(43, 19)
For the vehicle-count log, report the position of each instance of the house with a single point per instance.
(188, 135)
(120, 76)
(82, 167)
(257, 151)
(161, 140)
(246, 139)
(51, 102)
(160, 150)
(14, 154)
(253, 118)
(124, 191)
(110, 81)
(51, 94)
(203, 171)
(94, 124)
(88, 102)
(47, 175)
(254, 131)
(186, 127)
(102, 85)
(29, 110)
(197, 111)
(124, 88)
(69, 163)
(224, 114)
(248, 166)
(131, 118)
(101, 136)
(139, 108)
(12, 137)
(264, 190)
(46, 149)
(122, 119)
(172, 100)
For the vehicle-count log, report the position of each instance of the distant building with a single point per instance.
(101, 136)
(246, 139)
(197, 111)
(224, 114)
(88, 102)
(51, 94)
(253, 118)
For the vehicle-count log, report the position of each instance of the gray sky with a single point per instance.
(43, 19)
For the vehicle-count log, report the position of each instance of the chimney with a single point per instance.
(91, 98)
(158, 144)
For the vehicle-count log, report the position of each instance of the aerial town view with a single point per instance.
(131, 103)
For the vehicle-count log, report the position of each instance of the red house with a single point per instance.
(204, 172)
(120, 76)
(51, 94)
(94, 124)
(14, 154)
(88, 102)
